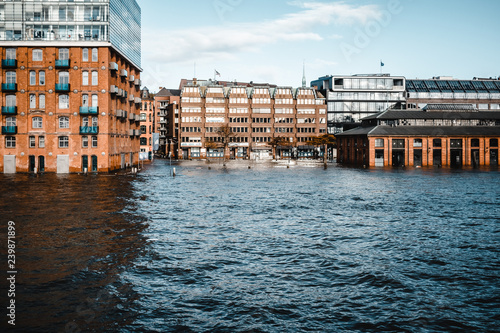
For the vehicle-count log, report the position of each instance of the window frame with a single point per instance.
(37, 55)
(63, 122)
(63, 142)
(37, 122)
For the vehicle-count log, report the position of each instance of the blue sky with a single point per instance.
(268, 41)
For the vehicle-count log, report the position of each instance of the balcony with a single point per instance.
(113, 66)
(138, 82)
(138, 100)
(89, 129)
(62, 87)
(137, 118)
(9, 110)
(123, 73)
(113, 89)
(9, 63)
(9, 87)
(131, 98)
(89, 110)
(131, 116)
(9, 129)
(131, 78)
(131, 132)
(62, 63)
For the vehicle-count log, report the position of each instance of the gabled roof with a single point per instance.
(168, 92)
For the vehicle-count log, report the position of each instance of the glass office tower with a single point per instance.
(114, 21)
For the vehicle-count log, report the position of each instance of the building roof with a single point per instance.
(420, 114)
(424, 131)
(453, 86)
(168, 92)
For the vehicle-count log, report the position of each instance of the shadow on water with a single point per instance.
(74, 235)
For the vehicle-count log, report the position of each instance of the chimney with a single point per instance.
(195, 82)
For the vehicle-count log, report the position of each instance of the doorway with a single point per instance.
(494, 157)
(62, 163)
(9, 164)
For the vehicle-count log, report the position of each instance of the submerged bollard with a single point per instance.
(173, 173)
(85, 171)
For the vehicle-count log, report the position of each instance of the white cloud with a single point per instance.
(225, 42)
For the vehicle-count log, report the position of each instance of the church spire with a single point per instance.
(304, 81)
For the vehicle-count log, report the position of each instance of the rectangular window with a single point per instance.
(456, 143)
(94, 142)
(63, 142)
(37, 55)
(474, 142)
(63, 102)
(379, 143)
(95, 99)
(10, 142)
(417, 143)
(85, 141)
(436, 142)
(398, 143)
(32, 142)
(63, 54)
(41, 142)
(493, 142)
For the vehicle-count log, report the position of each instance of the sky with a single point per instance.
(271, 41)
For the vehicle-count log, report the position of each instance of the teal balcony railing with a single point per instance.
(9, 87)
(9, 63)
(89, 129)
(62, 87)
(9, 129)
(9, 110)
(63, 63)
(86, 110)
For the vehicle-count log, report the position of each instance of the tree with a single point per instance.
(210, 145)
(225, 132)
(278, 141)
(325, 140)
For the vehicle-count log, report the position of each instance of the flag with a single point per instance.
(217, 73)
(381, 63)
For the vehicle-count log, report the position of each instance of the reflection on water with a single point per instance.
(257, 250)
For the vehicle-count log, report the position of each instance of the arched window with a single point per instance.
(37, 122)
(85, 122)
(94, 121)
(32, 78)
(85, 54)
(41, 78)
(32, 101)
(94, 78)
(95, 100)
(85, 78)
(41, 101)
(95, 57)
(85, 100)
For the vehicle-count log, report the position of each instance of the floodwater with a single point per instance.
(266, 249)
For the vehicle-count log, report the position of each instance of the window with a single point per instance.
(94, 55)
(94, 142)
(95, 122)
(94, 78)
(63, 142)
(85, 54)
(436, 142)
(417, 143)
(398, 143)
(41, 142)
(379, 143)
(493, 142)
(63, 54)
(37, 122)
(10, 121)
(85, 141)
(144, 141)
(63, 122)
(85, 121)
(10, 142)
(32, 142)
(85, 100)
(10, 54)
(85, 78)
(143, 117)
(10, 77)
(455, 143)
(32, 101)
(41, 101)
(32, 78)
(41, 78)
(143, 129)
(63, 77)
(474, 142)
(10, 100)
(37, 55)
(95, 100)
(63, 102)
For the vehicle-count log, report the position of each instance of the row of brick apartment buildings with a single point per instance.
(70, 86)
